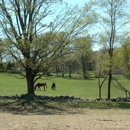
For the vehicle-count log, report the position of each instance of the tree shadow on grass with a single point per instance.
(50, 107)
(31, 107)
(38, 107)
(124, 105)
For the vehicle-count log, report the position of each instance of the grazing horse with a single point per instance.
(53, 86)
(40, 85)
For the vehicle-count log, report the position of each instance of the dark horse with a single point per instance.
(53, 86)
(40, 85)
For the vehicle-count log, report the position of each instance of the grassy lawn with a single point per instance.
(10, 85)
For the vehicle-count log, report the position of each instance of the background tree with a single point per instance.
(126, 55)
(3, 51)
(32, 25)
(118, 62)
(84, 51)
(70, 61)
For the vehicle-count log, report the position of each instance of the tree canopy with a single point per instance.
(39, 31)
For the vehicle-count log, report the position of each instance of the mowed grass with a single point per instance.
(10, 85)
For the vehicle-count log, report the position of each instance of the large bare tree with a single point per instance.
(39, 31)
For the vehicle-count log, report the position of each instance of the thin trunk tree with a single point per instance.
(112, 22)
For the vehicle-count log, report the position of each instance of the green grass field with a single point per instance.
(10, 85)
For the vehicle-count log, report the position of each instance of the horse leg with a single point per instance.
(39, 88)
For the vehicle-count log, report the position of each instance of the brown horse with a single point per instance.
(40, 85)
(53, 86)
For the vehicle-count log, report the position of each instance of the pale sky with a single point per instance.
(74, 2)
(81, 3)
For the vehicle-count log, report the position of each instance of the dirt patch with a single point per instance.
(82, 119)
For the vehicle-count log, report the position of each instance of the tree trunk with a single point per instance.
(100, 92)
(100, 87)
(70, 71)
(109, 83)
(110, 72)
(63, 73)
(30, 81)
(84, 67)
(128, 71)
(57, 70)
